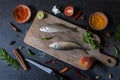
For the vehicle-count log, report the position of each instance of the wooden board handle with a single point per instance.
(105, 59)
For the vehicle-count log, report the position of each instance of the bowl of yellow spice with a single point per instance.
(98, 21)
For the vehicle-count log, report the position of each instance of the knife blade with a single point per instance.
(46, 69)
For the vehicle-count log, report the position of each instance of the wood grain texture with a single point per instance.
(34, 35)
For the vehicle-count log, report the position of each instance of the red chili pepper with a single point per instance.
(77, 15)
(51, 61)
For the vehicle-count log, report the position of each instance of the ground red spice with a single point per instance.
(20, 13)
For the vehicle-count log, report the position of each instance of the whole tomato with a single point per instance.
(86, 62)
(69, 10)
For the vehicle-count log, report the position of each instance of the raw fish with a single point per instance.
(65, 45)
(55, 28)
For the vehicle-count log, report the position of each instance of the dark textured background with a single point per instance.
(109, 7)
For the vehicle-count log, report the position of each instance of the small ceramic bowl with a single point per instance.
(21, 13)
(98, 21)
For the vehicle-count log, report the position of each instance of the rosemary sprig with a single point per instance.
(7, 59)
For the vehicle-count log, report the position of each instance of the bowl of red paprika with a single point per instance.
(21, 13)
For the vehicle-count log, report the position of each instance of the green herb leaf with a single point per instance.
(46, 38)
(89, 39)
(7, 59)
(117, 32)
(116, 50)
(30, 52)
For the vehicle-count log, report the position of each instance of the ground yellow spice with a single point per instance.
(97, 22)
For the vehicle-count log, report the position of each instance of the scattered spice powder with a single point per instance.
(20, 13)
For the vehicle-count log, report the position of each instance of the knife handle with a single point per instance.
(58, 76)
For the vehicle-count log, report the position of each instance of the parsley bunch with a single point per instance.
(90, 39)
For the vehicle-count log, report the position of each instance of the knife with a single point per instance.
(46, 69)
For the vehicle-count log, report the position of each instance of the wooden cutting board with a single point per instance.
(34, 35)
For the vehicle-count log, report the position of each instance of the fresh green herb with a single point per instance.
(30, 52)
(89, 39)
(117, 32)
(116, 50)
(7, 59)
(46, 38)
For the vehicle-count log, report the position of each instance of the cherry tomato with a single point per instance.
(86, 62)
(69, 10)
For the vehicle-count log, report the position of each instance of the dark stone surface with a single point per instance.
(109, 7)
